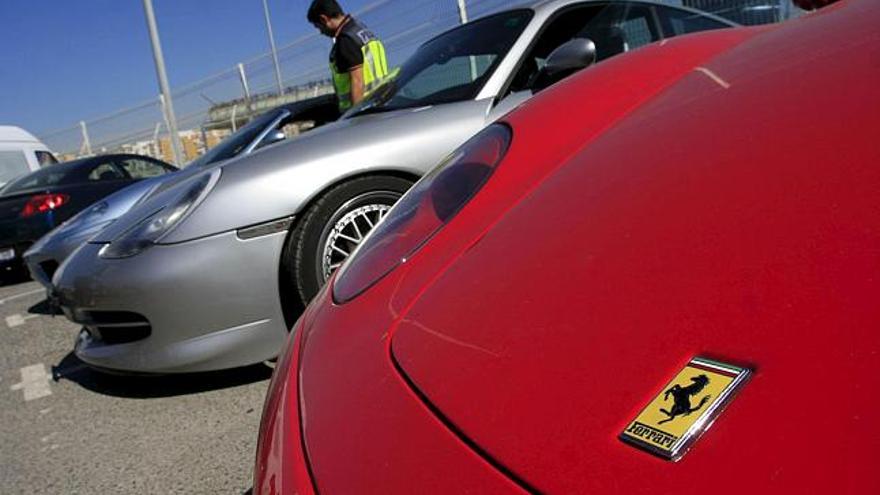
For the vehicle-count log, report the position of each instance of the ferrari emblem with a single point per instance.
(685, 408)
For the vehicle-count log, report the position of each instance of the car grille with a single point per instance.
(115, 327)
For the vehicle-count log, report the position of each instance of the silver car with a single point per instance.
(44, 257)
(211, 273)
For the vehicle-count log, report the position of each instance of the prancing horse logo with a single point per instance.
(698, 393)
(682, 398)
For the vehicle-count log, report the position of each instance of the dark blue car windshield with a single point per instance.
(233, 145)
(57, 174)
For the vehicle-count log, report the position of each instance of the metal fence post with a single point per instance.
(171, 140)
(86, 147)
(463, 17)
(462, 11)
(274, 50)
(244, 86)
(157, 152)
(159, 59)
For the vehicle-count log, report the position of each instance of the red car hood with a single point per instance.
(735, 215)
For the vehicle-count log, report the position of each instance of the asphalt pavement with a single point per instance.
(65, 428)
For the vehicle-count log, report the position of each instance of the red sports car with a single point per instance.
(685, 236)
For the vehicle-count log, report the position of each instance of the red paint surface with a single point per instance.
(281, 467)
(647, 212)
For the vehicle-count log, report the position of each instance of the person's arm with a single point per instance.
(350, 59)
(357, 84)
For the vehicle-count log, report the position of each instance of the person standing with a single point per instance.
(357, 60)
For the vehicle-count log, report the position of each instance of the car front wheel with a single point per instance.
(335, 225)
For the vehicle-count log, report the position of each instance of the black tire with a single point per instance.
(304, 252)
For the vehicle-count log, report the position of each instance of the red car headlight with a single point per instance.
(423, 211)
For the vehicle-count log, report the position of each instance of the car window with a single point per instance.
(45, 158)
(289, 127)
(42, 178)
(315, 113)
(564, 27)
(105, 171)
(235, 144)
(676, 22)
(458, 71)
(637, 28)
(139, 168)
(614, 28)
(621, 27)
(451, 67)
(12, 164)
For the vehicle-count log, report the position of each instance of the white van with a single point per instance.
(21, 153)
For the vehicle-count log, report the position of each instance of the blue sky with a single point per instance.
(66, 60)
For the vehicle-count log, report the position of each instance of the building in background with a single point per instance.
(193, 144)
(213, 137)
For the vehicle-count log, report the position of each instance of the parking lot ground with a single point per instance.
(65, 428)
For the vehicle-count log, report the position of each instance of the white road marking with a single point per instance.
(18, 320)
(34, 382)
(23, 294)
(713, 76)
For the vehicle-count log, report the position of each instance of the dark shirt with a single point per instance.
(346, 53)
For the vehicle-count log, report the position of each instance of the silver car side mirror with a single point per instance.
(568, 58)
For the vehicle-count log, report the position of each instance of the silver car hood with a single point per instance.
(280, 180)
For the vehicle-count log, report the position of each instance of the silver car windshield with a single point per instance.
(451, 67)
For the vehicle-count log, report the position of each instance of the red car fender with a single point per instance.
(281, 466)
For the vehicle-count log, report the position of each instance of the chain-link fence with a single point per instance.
(210, 109)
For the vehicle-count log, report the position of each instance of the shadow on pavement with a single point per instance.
(44, 308)
(155, 386)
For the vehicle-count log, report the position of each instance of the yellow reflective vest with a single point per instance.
(375, 64)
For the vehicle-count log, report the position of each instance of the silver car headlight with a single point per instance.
(150, 230)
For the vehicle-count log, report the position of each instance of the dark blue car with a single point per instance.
(34, 204)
